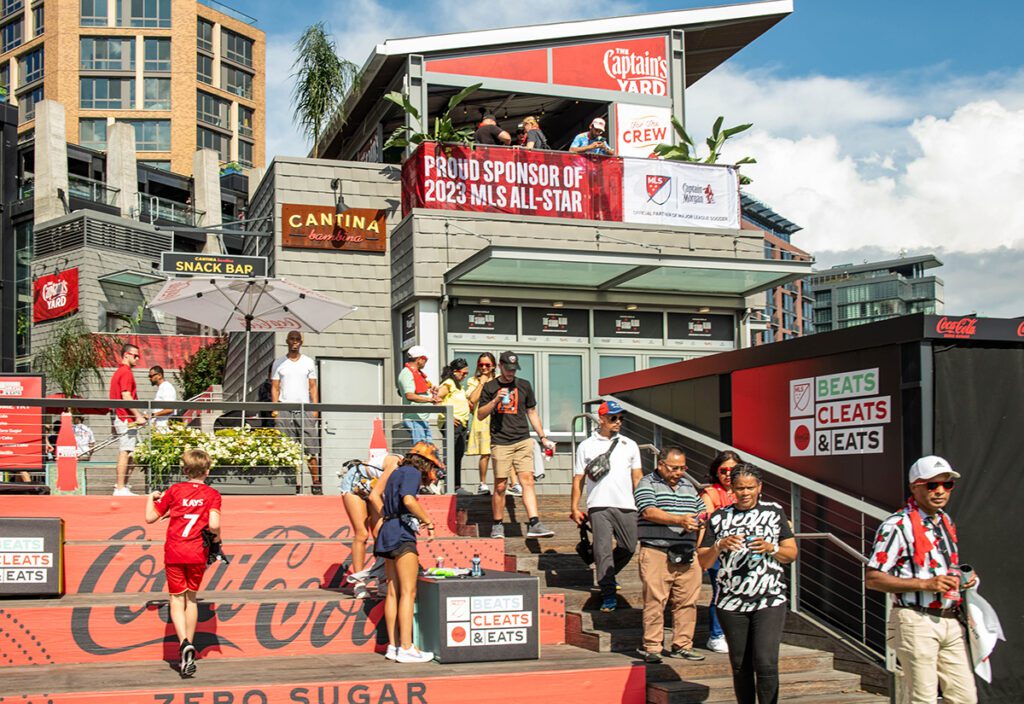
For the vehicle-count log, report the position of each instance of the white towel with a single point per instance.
(983, 631)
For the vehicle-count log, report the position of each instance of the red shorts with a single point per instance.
(184, 578)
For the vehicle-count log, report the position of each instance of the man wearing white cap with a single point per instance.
(415, 388)
(592, 141)
(916, 559)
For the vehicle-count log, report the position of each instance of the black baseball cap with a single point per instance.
(509, 359)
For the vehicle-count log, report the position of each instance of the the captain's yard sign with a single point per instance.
(323, 227)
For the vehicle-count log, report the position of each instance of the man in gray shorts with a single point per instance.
(293, 380)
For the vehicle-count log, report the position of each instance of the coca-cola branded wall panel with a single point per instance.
(21, 427)
(624, 65)
(612, 327)
(829, 418)
(55, 295)
(702, 331)
(969, 327)
(561, 325)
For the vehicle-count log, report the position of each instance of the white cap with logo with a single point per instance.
(931, 466)
(417, 351)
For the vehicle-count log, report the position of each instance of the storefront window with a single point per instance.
(565, 391)
(613, 365)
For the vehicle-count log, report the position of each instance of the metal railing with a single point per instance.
(153, 208)
(338, 433)
(229, 11)
(835, 529)
(92, 190)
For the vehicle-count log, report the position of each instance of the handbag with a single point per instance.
(602, 464)
(584, 548)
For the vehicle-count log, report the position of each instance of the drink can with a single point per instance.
(549, 452)
(440, 562)
(954, 593)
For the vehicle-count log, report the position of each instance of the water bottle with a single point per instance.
(440, 562)
(507, 398)
(754, 557)
(953, 594)
(475, 570)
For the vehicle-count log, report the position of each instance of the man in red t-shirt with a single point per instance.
(126, 420)
(192, 507)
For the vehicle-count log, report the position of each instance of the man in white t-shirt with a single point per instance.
(164, 392)
(293, 380)
(610, 501)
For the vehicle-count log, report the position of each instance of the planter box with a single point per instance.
(259, 481)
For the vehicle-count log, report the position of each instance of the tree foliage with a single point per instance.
(686, 150)
(322, 80)
(444, 132)
(72, 354)
(204, 369)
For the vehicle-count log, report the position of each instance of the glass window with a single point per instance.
(5, 76)
(31, 66)
(107, 54)
(27, 104)
(565, 390)
(158, 54)
(236, 48)
(152, 135)
(107, 93)
(204, 34)
(236, 81)
(204, 69)
(245, 121)
(212, 110)
(38, 20)
(157, 164)
(613, 365)
(148, 13)
(11, 34)
(10, 6)
(156, 94)
(94, 13)
(208, 139)
(92, 133)
(23, 284)
(661, 361)
(244, 153)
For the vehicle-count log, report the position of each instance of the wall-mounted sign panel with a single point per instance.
(212, 264)
(659, 192)
(482, 323)
(640, 128)
(31, 556)
(566, 326)
(638, 328)
(21, 427)
(408, 327)
(55, 295)
(624, 65)
(322, 227)
(697, 331)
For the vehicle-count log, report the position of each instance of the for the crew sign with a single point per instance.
(324, 227)
(30, 556)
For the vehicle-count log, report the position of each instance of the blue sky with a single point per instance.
(879, 126)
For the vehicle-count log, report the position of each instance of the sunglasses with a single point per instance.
(485, 365)
(614, 419)
(932, 486)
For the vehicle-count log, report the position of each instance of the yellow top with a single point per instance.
(457, 399)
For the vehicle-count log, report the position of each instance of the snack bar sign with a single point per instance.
(838, 414)
(487, 620)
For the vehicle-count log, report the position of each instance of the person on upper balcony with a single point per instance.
(593, 141)
(488, 132)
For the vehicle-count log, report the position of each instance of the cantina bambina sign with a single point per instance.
(322, 227)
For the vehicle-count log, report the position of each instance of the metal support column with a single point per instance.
(794, 569)
(677, 76)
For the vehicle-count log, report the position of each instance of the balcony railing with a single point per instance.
(229, 11)
(92, 190)
(153, 208)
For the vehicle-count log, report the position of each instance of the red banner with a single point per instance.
(55, 295)
(627, 66)
(21, 427)
(514, 181)
(167, 351)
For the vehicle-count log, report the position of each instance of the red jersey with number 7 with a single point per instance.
(188, 505)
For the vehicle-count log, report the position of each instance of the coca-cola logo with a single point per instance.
(962, 328)
(637, 73)
(1020, 329)
(273, 323)
(55, 294)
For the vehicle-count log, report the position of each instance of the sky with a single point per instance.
(882, 128)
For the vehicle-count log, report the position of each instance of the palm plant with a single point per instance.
(686, 149)
(71, 355)
(322, 80)
(444, 128)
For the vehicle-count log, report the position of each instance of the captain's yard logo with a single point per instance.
(659, 189)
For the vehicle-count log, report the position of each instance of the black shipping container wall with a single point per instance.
(979, 428)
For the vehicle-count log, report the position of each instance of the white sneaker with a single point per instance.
(413, 654)
(515, 490)
(124, 491)
(359, 591)
(359, 576)
(392, 653)
(718, 645)
(483, 489)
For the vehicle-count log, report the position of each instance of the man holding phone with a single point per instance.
(593, 141)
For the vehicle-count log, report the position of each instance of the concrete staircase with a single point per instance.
(807, 674)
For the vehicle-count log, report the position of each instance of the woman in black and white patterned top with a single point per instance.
(753, 540)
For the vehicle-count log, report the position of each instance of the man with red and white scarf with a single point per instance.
(916, 559)
(415, 388)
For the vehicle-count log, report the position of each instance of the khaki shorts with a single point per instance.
(517, 457)
(126, 435)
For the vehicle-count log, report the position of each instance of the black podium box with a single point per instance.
(31, 557)
(479, 619)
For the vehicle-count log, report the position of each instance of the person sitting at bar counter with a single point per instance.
(489, 133)
(402, 517)
(593, 141)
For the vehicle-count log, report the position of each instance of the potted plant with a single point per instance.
(246, 460)
(445, 131)
(232, 167)
(686, 150)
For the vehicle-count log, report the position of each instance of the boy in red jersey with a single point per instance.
(191, 506)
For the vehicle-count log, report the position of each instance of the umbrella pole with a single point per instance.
(245, 368)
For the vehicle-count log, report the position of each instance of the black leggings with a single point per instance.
(753, 640)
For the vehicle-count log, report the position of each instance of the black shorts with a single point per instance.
(402, 549)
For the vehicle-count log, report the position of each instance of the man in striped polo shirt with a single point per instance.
(667, 527)
(915, 558)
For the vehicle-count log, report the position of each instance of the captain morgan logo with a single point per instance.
(637, 73)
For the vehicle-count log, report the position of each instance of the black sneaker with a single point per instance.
(188, 659)
(684, 654)
(648, 657)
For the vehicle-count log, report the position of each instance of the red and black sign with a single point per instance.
(55, 295)
(556, 323)
(610, 324)
(21, 427)
(323, 227)
(971, 327)
(482, 320)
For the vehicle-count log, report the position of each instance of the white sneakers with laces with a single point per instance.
(413, 654)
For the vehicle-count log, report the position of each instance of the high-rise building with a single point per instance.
(788, 308)
(136, 61)
(848, 295)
